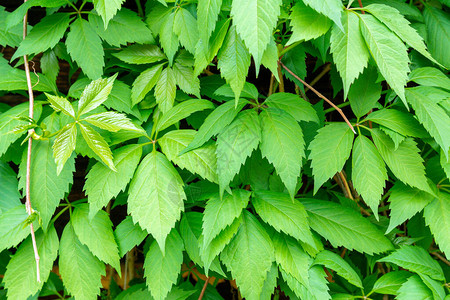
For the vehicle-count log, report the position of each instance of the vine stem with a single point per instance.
(321, 96)
(205, 285)
(30, 140)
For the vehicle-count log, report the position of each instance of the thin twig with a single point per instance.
(272, 79)
(203, 289)
(31, 131)
(445, 261)
(360, 5)
(321, 96)
(347, 188)
(280, 75)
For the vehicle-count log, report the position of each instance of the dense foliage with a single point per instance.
(214, 157)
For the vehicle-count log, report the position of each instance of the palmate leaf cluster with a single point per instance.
(203, 151)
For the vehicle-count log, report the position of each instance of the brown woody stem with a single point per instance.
(205, 285)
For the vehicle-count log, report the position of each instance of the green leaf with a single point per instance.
(50, 65)
(21, 274)
(330, 150)
(221, 212)
(293, 104)
(283, 214)
(61, 104)
(343, 226)
(186, 79)
(45, 35)
(445, 163)
(365, 92)
(10, 196)
(185, 26)
(389, 53)
(144, 83)
(405, 202)
(165, 89)
(398, 121)
(405, 161)
(415, 259)
(80, 270)
(9, 35)
(103, 184)
(156, 181)
(291, 257)
(333, 261)
(433, 117)
(85, 48)
(271, 283)
(13, 227)
(436, 288)
(249, 256)
(235, 143)
(95, 94)
(255, 20)
(368, 172)
(107, 9)
(307, 24)
(112, 121)
(437, 24)
(120, 99)
(64, 145)
(283, 145)
(390, 282)
(270, 61)
(201, 161)
(414, 288)
(207, 15)
(161, 269)
(331, 8)
(168, 39)
(396, 22)
(182, 111)
(128, 235)
(430, 76)
(140, 54)
(125, 27)
(97, 234)
(97, 144)
(234, 61)
(437, 218)
(214, 123)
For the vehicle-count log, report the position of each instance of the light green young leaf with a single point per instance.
(254, 21)
(437, 217)
(185, 26)
(430, 76)
(405, 161)
(334, 262)
(350, 53)
(45, 35)
(368, 172)
(128, 235)
(85, 48)
(234, 61)
(21, 275)
(13, 228)
(95, 94)
(331, 8)
(186, 79)
(214, 123)
(291, 257)
(112, 121)
(249, 256)
(168, 39)
(161, 269)
(144, 83)
(165, 90)
(318, 288)
(437, 24)
(159, 184)
(415, 259)
(405, 202)
(270, 61)
(97, 234)
(80, 270)
(140, 54)
(235, 143)
(283, 145)
(432, 116)
(436, 287)
(283, 214)
(220, 213)
(97, 144)
(61, 104)
(414, 288)
(201, 161)
(398, 121)
(182, 111)
(330, 149)
(389, 53)
(102, 184)
(10, 196)
(107, 9)
(343, 226)
(365, 92)
(307, 24)
(271, 283)
(64, 145)
(293, 104)
(390, 282)
(207, 15)
(445, 163)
